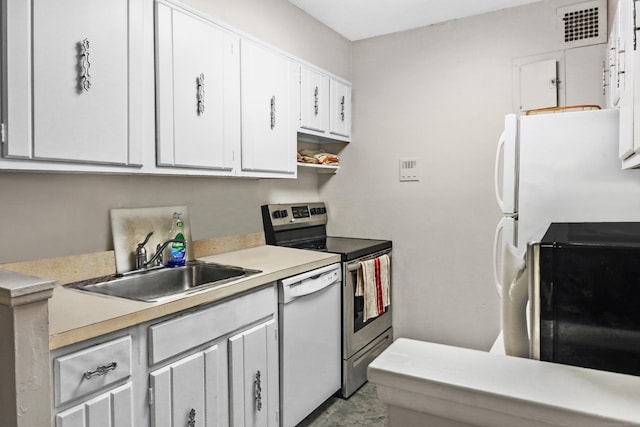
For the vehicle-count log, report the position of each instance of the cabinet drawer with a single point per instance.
(91, 369)
(177, 335)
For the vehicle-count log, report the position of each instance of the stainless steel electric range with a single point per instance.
(303, 226)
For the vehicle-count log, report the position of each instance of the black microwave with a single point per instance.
(584, 293)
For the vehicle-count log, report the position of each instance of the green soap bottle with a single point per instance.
(177, 250)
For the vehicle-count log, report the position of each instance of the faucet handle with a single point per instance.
(141, 252)
(159, 256)
(146, 239)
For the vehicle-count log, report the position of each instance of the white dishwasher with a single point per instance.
(310, 341)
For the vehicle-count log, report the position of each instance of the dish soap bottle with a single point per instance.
(177, 250)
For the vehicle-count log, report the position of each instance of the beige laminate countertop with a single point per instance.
(76, 316)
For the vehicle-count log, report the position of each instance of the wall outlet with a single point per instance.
(409, 169)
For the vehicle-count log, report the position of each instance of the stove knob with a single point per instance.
(313, 211)
(276, 214)
(284, 214)
(323, 210)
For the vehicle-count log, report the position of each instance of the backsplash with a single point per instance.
(130, 227)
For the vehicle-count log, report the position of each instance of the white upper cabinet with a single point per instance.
(198, 91)
(268, 91)
(611, 76)
(314, 100)
(74, 79)
(325, 107)
(78, 88)
(624, 92)
(340, 108)
(622, 83)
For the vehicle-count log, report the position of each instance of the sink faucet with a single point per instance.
(141, 252)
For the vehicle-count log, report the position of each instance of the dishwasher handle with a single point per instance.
(311, 284)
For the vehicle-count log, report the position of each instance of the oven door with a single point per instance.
(358, 333)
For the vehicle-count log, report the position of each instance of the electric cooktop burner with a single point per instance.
(303, 226)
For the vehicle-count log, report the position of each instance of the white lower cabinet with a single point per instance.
(185, 393)
(204, 364)
(253, 377)
(92, 384)
(214, 366)
(111, 409)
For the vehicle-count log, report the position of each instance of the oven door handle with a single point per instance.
(353, 266)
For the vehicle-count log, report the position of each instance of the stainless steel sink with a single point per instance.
(157, 284)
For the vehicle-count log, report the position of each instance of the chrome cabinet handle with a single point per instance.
(273, 112)
(315, 101)
(191, 422)
(100, 370)
(85, 65)
(635, 27)
(200, 95)
(258, 391)
(604, 78)
(342, 108)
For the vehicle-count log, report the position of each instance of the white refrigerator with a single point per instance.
(556, 167)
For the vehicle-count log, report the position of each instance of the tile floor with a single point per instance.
(362, 409)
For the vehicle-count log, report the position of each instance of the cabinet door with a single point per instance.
(81, 90)
(268, 128)
(186, 391)
(198, 91)
(253, 371)
(73, 417)
(625, 75)
(340, 108)
(314, 100)
(110, 409)
(613, 95)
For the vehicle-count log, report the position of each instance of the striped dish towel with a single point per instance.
(373, 283)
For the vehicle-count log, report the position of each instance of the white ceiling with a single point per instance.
(361, 19)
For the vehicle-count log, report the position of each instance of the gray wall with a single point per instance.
(51, 215)
(437, 93)
(440, 94)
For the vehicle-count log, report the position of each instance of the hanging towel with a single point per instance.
(373, 282)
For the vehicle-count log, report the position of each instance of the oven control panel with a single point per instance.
(305, 211)
(295, 214)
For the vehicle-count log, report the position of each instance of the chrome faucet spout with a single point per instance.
(158, 255)
(156, 259)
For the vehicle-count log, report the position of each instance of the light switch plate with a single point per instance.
(409, 169)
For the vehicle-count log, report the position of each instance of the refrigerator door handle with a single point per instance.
(501, 142)
(496, 240)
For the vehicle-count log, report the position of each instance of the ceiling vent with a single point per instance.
(583, 24)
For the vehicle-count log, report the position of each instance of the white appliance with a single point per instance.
(310, 341)
(557, 167)
(304, 226)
